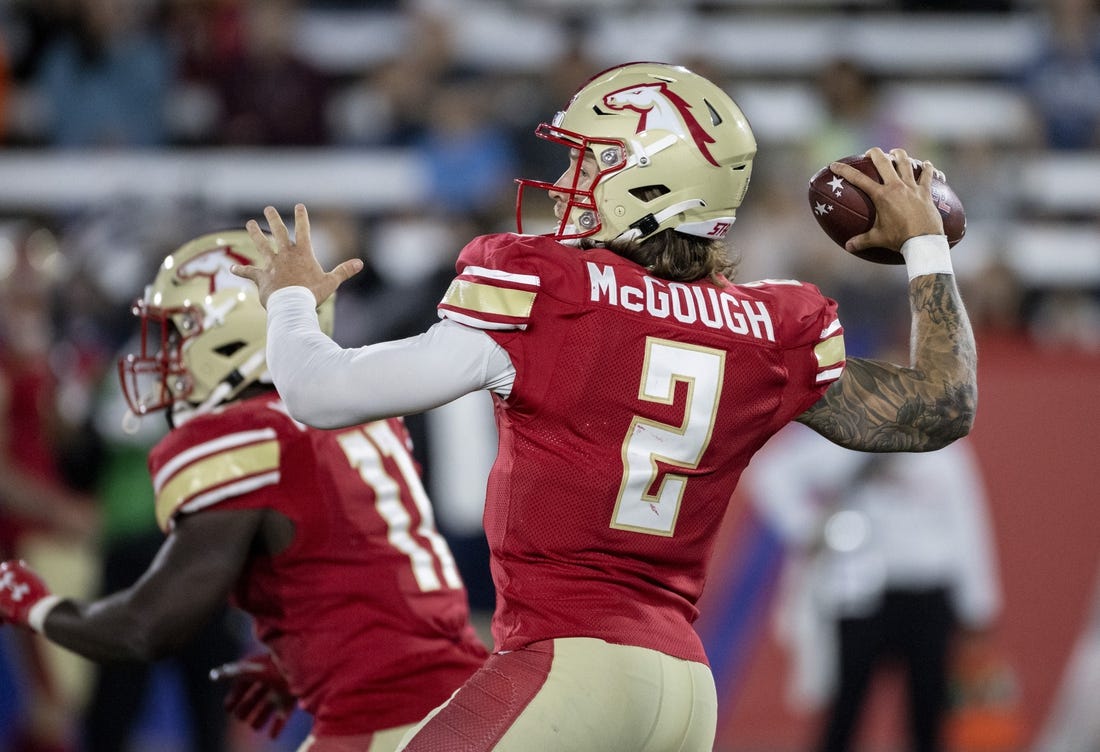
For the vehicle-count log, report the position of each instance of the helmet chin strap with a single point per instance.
(648, 224)
(181, 413)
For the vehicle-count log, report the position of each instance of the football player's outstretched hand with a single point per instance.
(291, 261)
(258, 693)
(21, 589)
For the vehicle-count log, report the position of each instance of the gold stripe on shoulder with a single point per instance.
(830, 352)
(490, 299)
(214, 471)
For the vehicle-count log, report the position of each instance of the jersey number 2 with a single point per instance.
(649, 496)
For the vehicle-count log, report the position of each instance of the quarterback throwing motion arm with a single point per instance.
(882, 407)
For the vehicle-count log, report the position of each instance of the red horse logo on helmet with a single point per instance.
(661, 108)
(214, 265)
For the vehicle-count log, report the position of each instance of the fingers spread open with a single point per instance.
(301, 225)
(348, 269)
(278, 228)
(259, 239)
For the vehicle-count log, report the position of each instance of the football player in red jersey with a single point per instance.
(632, 382)
(326, 538)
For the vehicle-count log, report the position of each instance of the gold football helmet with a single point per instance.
(672, 150)
(203, 330)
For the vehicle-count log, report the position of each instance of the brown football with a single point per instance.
(843, 211)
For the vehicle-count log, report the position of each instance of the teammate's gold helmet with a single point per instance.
(672, 151)
(203, 330)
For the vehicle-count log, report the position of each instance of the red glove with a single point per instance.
(258, 692)
(20, 591)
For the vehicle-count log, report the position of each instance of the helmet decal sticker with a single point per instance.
(214, 265)
(661, 108)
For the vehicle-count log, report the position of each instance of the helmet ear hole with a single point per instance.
(229, 348)
(649, 192)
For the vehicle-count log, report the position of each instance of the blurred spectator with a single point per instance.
(1066, 317)
(390, 104)
(1062, 81)
(5, 84)
(408, 263)
(270, 95)
(41, 518)
(955, 6)
(30, 27)
(209, 35)
(209, 38)
(891, 557)
(771, 246)
(856, 116)
(470, 158)
(106, 76)
(545, 94)
(994, 297)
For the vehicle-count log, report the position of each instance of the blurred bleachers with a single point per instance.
(948, 75)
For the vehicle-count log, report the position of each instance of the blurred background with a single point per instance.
(130, 126)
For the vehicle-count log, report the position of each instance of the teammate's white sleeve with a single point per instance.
(327, 386)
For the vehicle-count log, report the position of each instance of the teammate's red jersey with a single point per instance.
(365, 612)
(636, 405)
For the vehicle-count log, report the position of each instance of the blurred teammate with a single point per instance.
(632, 384)
(326, 538)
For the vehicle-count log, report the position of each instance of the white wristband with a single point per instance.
(36, 617)
(927, 254)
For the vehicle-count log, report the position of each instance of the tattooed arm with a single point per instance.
(881, 407)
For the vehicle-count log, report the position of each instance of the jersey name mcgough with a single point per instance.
(688, 304)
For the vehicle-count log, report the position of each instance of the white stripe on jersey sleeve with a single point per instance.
(213, 446)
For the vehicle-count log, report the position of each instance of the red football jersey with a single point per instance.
(365, 612)
(636, 405)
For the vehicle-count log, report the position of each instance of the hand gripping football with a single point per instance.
(844, 211)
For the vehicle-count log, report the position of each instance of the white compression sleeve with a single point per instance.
(327, 386)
